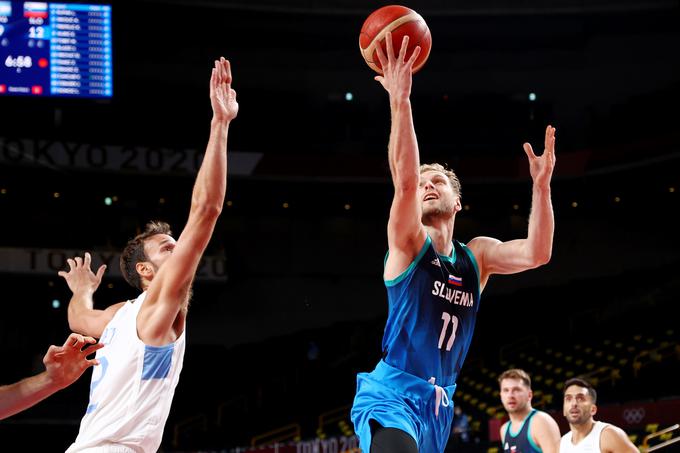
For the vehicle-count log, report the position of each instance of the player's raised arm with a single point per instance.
(169, 290)
(405, 232)
(496, 257)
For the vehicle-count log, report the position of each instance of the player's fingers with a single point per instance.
(381, 56)
(78, 342)
(227, 70)
(215, 80)
(51, 353)
(548, 135)
(529, 151)
(551, 151)
(100, 271)
(218, 72)
(388, 45)
(91, 349)
(414, 56)
(71, 339)
(402, 49)
(92, 362)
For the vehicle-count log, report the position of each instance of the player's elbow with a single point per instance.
(77, 325)
(207, 209)
(85, 322)
(541, 258)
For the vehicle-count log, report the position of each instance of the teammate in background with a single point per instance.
(588, 435)
(63, 366)
(433, 282)
(130, 397)
(528, 429)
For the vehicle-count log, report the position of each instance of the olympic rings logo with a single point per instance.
(634, 415)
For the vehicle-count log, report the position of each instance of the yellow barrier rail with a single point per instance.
(645, 448)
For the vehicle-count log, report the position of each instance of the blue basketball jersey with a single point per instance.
(433, 307)
(521, 442)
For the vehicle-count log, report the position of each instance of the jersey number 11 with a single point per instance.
(448, 319)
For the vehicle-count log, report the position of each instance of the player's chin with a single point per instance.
(437, 210)
(431, 208)
(574, 418)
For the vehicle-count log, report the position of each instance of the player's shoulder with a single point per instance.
(541, 415)
(610, 431)
(479, 244)
(613, 438)
(543, 420)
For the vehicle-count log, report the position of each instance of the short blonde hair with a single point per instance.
(453, 179)
(515, 373)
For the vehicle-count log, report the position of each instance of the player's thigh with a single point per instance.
(391, 440)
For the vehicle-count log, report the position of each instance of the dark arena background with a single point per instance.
(289, 303)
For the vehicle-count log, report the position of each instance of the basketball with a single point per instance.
(400, 21)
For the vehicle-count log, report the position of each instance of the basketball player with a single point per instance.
(433, 282)
(586, 434)
(130, 397)
(63, 366)
(528, 430)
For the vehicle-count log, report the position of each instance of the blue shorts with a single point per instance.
(397, 399)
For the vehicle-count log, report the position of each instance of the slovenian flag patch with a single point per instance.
(457, 281)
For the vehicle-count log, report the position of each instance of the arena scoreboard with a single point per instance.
(55, 49)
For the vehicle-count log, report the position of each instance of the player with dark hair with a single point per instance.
(130, 396)
(588, 435)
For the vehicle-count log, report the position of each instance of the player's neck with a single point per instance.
(441, 232)
(581, 431)
(519, 416)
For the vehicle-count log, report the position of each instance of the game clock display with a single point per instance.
(55, 49)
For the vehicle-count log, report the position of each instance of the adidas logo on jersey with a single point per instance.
(436, 262)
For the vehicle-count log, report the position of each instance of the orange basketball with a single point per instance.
(400, 21)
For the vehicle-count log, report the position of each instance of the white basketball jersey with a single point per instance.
(131, 389)
(590, 443)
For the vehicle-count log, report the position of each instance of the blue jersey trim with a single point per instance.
(157, 361)
(520, 426)
(474, 262)
(412, 266)
(531, 440)
(451, 259)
